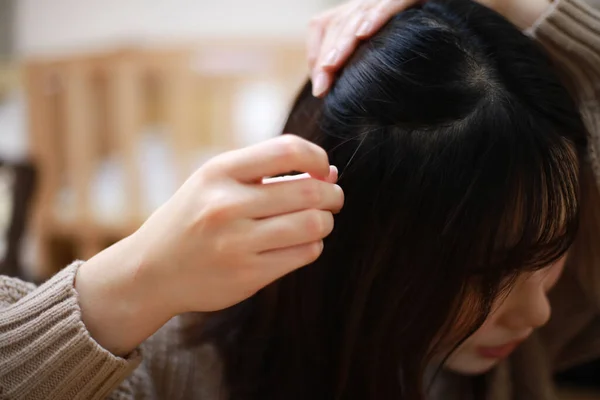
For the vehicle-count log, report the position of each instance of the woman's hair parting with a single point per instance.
(459, 151)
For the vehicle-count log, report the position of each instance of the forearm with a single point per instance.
(120, 306)
(529, 12)
(570, 33)
(47, 352)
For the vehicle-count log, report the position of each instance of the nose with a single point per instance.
(530, 309)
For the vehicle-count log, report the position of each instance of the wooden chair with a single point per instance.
(83, 108)
(23, 185)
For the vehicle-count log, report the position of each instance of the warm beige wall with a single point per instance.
(75, 25)
(9, 77)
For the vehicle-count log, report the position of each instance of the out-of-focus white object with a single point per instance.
(108, 194)
(259, 109)
(157, 179)
(158, 175)
(13, 128)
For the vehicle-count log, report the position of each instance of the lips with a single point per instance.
(498, 352)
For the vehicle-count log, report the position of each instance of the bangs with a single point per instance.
(531, 222)
(538, 213)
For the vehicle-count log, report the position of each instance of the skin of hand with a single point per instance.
(334, 35)
(224, 235)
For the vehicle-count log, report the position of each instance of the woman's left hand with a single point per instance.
(334, 35)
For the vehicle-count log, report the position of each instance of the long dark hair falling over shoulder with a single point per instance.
(459, 154)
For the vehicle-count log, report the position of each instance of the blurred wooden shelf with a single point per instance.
(85, 108)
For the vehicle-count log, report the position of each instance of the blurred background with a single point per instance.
(106, 106)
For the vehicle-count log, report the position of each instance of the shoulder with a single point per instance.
(197, 370)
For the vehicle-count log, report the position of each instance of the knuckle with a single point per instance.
(221, 245)
(322, 154)
(218, 209)
(328, 223)
(316, 22)
(314, 250)
(365, 6)
(337, 22)
(386, 7)
(339, 195)
(211, 168)
(214, 214)
(312, 193)
(315, 224)
(291, 146)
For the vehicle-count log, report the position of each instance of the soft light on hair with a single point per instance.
(459, 153)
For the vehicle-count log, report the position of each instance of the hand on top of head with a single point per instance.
(335, 34)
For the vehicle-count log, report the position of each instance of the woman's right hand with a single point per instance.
(224, 235)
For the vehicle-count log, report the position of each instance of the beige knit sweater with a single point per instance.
(46, 352)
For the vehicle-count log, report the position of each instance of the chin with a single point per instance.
(469, 365)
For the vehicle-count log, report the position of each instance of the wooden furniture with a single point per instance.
(85, 109)
(22, 185)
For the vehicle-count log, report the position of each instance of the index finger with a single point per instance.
(332, 178)
(380, 14)
(278, 156)
(316, 30)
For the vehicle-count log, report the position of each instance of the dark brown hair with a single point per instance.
(458, 151)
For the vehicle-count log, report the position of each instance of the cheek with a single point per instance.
(465, 359)
(482, 336)
(486, 331)
(554, 274)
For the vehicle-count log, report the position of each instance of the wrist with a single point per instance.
(525, 13)
(119, 305)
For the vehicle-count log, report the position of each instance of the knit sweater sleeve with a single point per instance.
(46, 351)
(570, 32)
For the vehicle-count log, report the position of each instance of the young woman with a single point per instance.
(469, 195)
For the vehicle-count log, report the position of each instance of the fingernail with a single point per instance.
(320, 84)
(364, 29)
(334, 172)
(331, 58)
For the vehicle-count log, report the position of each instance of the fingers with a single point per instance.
(290, 230)
(329, 52)
(344, 44)
(343, 40)
(342, 33)
(332, 178)
(381, 12)
(313, 42)
(333, 174)
(316, 30)
(277, 263)
(289, 196)
(276, 156)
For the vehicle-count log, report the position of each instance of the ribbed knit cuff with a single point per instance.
(46, 351)
(570, 29)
